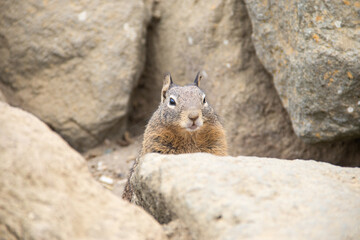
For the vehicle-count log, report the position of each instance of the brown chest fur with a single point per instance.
(210, 139)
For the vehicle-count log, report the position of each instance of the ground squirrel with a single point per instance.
(183, 123)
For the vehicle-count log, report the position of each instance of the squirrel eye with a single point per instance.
(204, 100)
(172, 102)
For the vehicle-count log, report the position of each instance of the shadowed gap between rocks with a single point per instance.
(146, 95)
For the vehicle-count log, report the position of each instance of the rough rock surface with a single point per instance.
(2, 97)
(313, 54)
(73, 64)
(250, 197)
(47, 192)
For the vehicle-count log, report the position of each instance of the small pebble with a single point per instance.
(339, 91)
(228, 65)
(190, 40)
(100, 166)
(337, 24)
(82, 16)
(350, 109)
(106, 180)
(358, 102)
(226, 42)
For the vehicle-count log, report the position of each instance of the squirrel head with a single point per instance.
(185, 106)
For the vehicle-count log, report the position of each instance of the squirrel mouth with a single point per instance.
(193, 127)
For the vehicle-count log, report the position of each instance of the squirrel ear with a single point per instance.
(198, 79)
(166, 85)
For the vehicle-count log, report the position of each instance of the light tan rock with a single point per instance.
(47, 192)
(250, 197)
(73, 64)
(215, 36)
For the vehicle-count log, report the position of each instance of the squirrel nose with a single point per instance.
(193, 116)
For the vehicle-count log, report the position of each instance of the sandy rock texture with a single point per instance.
(313, 54)
(73, 64)
(249, 197)
(215, 36)
(47, 192)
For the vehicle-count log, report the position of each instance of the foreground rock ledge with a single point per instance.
(47, 192)
(250, 197)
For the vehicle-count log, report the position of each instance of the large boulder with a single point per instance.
(249, 197)
(215, 36)
(47, 192)
(73, 64)
(312, 49)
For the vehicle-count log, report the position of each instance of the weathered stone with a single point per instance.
(2, 97)
(73, 64)
(47, 192)
(250, 197)
(175, 230)
(312, 48)
(215, 36)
